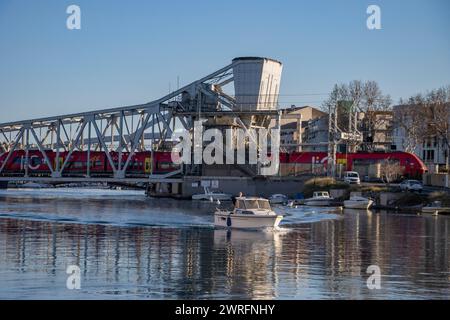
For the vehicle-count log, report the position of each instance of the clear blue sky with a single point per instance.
(128, 52)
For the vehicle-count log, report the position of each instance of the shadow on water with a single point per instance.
(324, 257)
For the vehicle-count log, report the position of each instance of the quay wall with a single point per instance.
(248, 186)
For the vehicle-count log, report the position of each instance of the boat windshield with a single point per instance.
(264, 204)
(253, 204)
(321, 194)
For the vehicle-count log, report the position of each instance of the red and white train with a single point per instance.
(409, 164)
(142, 163)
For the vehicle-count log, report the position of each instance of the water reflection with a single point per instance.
(324, 259)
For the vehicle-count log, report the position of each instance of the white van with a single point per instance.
(351, 177)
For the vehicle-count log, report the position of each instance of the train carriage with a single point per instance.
(145, 163)
(316, 162)
(37, 164)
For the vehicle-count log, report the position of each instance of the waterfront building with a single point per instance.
(293, 123)
(423, 142)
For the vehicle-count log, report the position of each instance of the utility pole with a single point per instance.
(332, 140)
(352, 137)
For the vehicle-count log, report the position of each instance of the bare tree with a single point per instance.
(438, 105)
(365, 97)
(338, 93)
(425, 117)
(408, 117)
(391, 171)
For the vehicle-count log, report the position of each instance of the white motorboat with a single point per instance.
(278, 199)
(248, 213)
(212, 196)
(319, 199)
(357, 202)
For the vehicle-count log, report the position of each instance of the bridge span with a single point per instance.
(243, 94)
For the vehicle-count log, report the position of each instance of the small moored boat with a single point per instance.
(357, 202)
(248, 212)
(319, 199)
(435, 208)
(212, 196)
(278, 199)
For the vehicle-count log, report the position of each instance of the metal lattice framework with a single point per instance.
(122, 130)
(336, 135)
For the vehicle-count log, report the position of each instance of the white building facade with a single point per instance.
(430, 149)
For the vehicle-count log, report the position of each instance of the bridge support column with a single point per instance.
(120, 174)
(56, 174)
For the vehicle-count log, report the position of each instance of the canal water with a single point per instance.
(128, 246)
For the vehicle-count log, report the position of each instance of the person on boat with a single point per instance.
(234, 199)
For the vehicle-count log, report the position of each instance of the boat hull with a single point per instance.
(318, 203)
(433, 210)
(213, 197)
(277, 201)
(226, 220)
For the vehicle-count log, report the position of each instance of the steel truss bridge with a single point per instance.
(123, 130)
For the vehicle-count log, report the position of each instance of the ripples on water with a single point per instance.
(129, 247)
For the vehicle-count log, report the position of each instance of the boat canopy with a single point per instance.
(321, 194)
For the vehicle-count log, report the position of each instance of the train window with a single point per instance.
(133, 165)
(164, 165)
(364, 161)
(77, 164)
(96, 163)
(34, 161)
(17, 160)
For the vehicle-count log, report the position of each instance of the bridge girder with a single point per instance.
(126, 129)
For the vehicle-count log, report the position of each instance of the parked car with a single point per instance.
(351, 177)
(278, 199)
(411, 185)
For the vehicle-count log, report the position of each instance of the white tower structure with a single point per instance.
(256, 83)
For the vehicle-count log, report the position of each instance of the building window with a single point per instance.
(428, 155)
